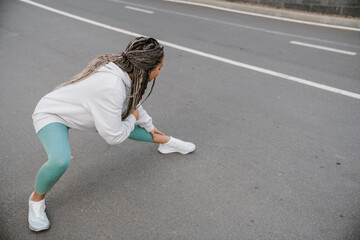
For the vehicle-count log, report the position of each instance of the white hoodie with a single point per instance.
(93, 104)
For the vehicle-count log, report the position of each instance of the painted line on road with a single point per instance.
(207, 55)
(139, 10)
(323, 48)
(264, 16)
(237, 25)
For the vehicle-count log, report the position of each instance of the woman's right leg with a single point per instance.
(55, 140)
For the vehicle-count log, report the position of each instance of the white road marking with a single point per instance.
(239, 25)
(323, 48)
(139, 10)
(193, 51)
(264, 16)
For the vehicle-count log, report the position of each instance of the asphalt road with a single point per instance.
(275, 159)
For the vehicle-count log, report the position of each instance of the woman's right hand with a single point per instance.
(136, 114)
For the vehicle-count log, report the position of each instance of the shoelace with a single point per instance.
(38, 209)
(178, 145)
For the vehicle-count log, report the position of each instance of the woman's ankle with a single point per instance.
(162, 139)
(36, 197)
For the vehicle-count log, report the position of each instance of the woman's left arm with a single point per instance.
(144, 121)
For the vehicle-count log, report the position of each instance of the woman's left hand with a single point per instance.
(156, 131)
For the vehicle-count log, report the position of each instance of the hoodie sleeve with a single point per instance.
(145, 121)
(106, 108)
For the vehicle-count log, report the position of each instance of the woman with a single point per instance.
(104, 97)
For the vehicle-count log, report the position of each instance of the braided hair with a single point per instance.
(140, 57)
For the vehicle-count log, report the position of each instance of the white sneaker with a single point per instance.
(176, 145)
(38, 220)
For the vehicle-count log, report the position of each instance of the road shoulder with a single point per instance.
(291, 14)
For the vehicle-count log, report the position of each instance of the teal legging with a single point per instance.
(55, 139)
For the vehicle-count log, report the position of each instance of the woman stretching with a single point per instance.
(104, 97)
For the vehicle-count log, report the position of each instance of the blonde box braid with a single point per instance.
(140, 57)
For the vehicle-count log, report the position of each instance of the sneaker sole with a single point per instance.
(38, 230)
(174, 151)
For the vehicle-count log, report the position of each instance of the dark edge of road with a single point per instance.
(284, 13)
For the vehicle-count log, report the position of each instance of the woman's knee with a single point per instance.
(60, 162)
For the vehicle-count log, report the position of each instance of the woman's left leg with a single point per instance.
(167, 144)
(140, 134)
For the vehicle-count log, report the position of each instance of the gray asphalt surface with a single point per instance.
(275, 159)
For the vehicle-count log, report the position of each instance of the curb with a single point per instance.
(291, 14)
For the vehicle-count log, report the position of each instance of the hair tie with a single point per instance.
(127, 65)
(124, 56)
